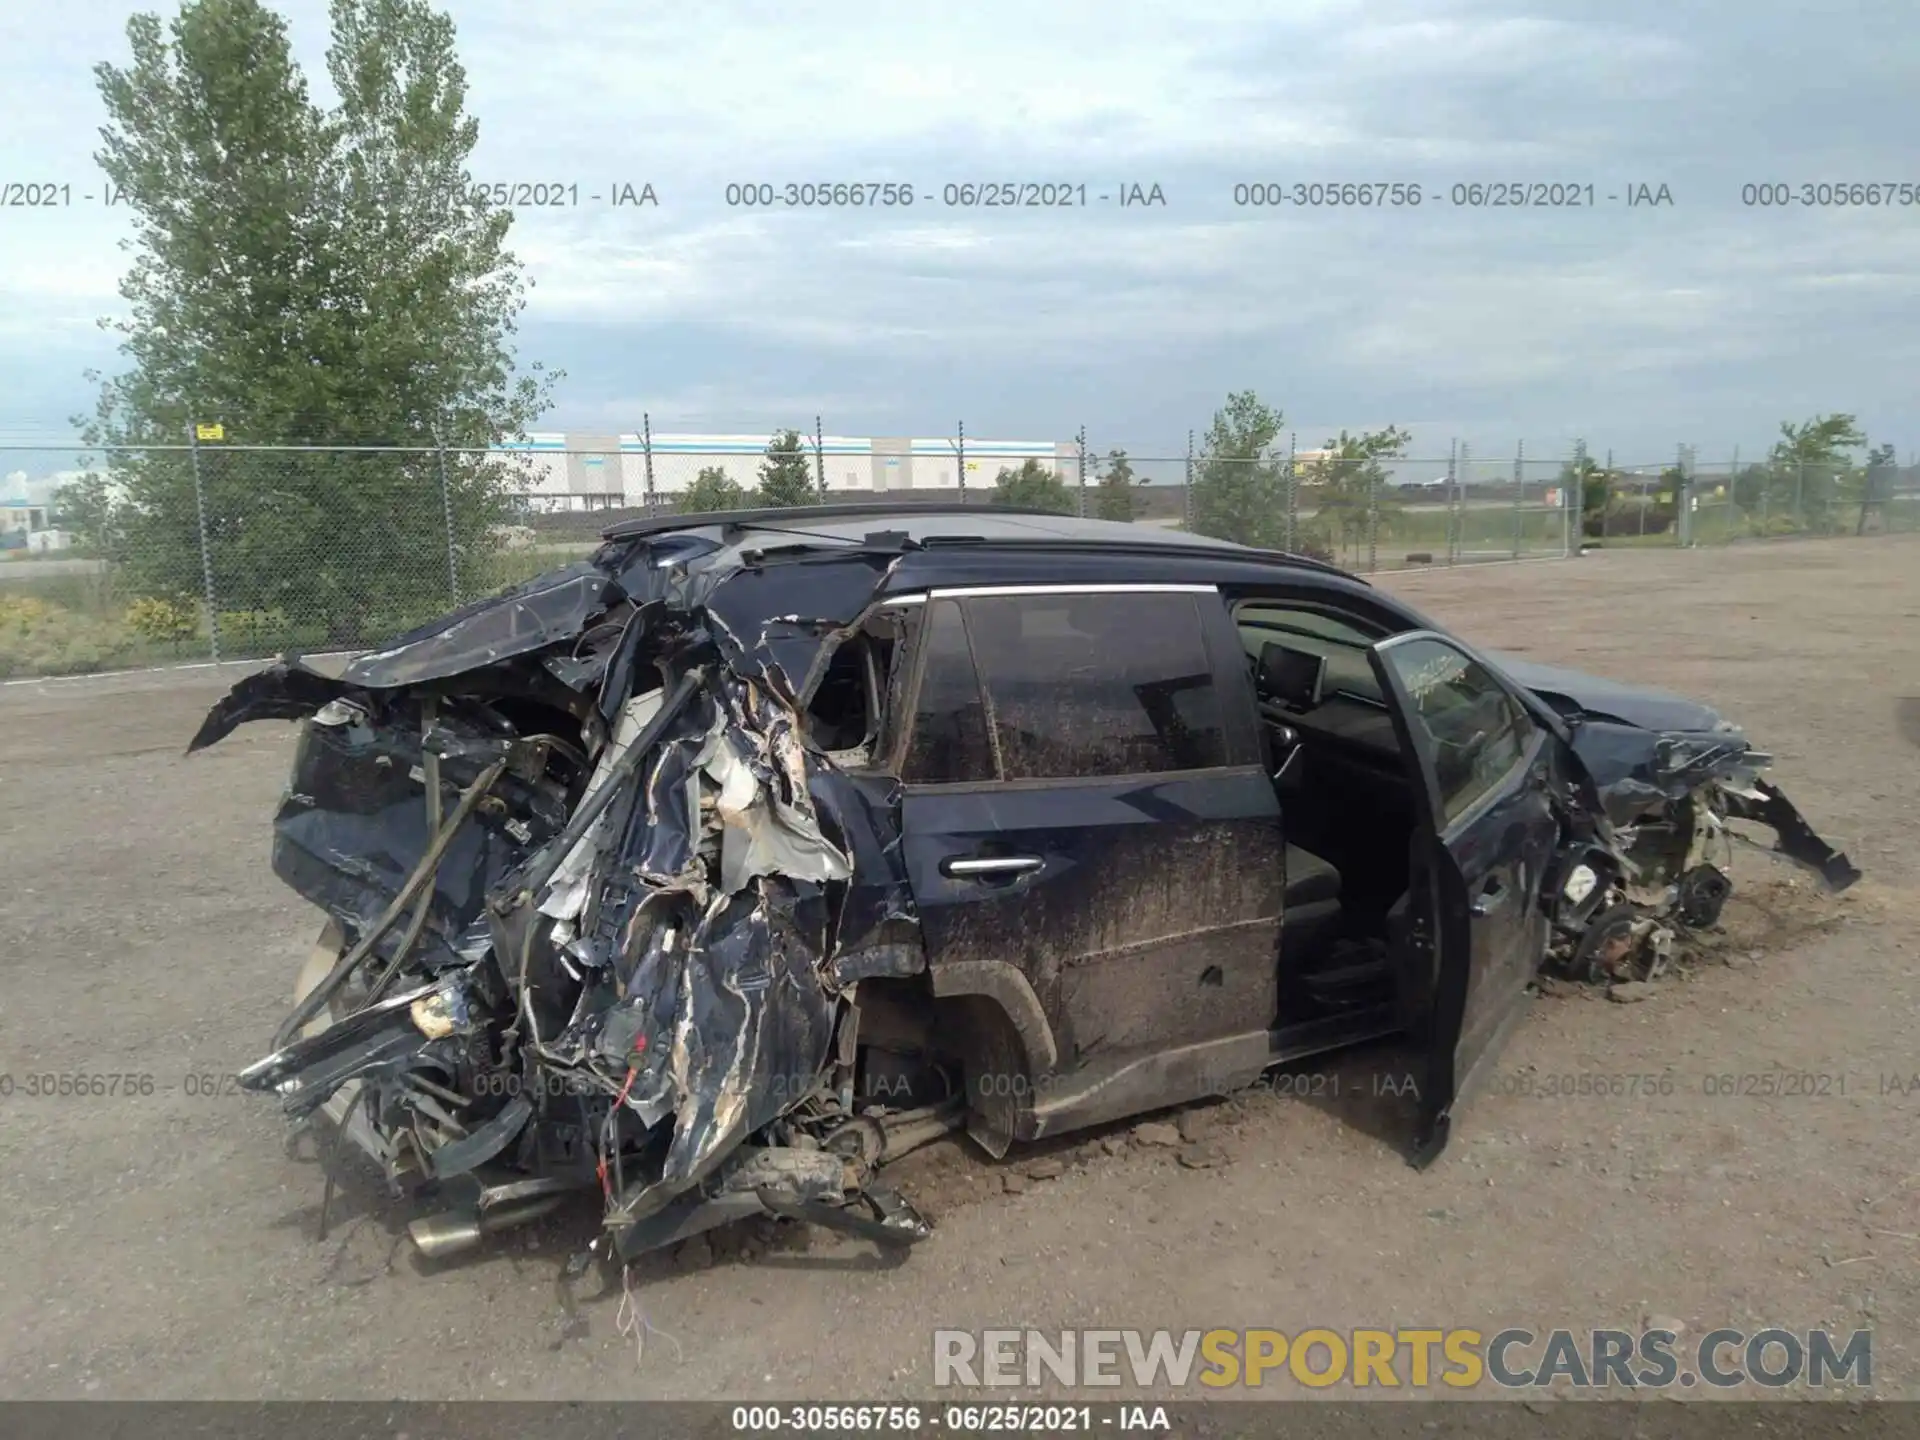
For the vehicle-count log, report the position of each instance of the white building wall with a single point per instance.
(851, 462)
(936, 462)
(539, 469)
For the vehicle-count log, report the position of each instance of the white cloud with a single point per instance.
(1475, 313)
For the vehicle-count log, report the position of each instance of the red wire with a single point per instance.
(633, 1073)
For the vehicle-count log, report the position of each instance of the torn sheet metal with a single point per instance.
(1669, 773)
(639, 946)
(1651, 754)
(550, 609)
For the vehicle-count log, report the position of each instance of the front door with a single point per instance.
(1492, 830)
(1089, 829)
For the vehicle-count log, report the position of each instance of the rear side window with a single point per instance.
(1098, 684)
(949, 741)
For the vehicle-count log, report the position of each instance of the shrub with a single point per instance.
(163, 621)
(1629, 517)
(38, 638)
(253, 629)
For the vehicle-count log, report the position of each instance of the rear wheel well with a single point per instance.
(916, 1047)
(996, 1069)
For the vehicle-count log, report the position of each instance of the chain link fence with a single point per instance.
(207, 551)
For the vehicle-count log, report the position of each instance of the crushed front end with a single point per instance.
(593, 922)
(1664, 870)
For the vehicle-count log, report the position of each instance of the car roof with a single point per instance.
(920, 520)
(924, 522)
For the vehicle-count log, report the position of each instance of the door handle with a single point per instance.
(1491, 897)
(972, 867)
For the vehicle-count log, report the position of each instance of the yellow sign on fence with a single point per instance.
(209, 432)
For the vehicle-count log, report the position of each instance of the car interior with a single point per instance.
(1346, 799)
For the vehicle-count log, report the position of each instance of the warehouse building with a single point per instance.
(575, 470)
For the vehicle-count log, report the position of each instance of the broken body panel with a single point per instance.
(611, 917)
(1671, 773)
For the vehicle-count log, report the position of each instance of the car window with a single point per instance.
(1474, 729)
(949, 741)
(1098, 684)
(1342, 644)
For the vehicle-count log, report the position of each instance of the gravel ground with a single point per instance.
(161, 1243)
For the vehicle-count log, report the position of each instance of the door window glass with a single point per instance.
(1474, 729)
(949, 741)
(1098, 684)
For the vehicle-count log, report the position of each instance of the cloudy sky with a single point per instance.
(1704, 320)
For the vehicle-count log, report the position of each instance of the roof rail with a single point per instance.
(1156, 546)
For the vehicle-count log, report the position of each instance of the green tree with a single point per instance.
(786, 473)
(1239, 491)
(87, 508)
(1034, 486)
(308, 277)
(1351, 489)
(714, 489)
(1813, 468)
(1583, 477)
(1115, 499)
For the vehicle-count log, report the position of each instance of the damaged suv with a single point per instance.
(714, 872)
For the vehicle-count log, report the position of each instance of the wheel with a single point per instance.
(1605, 951)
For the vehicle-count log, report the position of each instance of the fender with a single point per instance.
(1002, 983)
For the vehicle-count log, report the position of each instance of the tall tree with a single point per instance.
(1115, 499)
(1034, 486)
(308, 277)
(1239, 491)
(1352, 492)
(1813, 468)
(786, 472)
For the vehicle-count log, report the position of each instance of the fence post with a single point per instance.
(1373, 517)
(1083, 472)
(1682, 493)
(960, 448)
(1732, 499)
(819, 460)
(1800, 494)
(1293, 492)
(1453, 474)
(1186, 489)
(206, 546)
(646, 456)
(1573, 504)
(1460, 501)
(446, 519)
(1519, 492)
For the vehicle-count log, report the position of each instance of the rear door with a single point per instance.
(1089, 827)
(1492, 831)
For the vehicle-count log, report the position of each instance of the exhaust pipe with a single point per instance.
(454, 1232)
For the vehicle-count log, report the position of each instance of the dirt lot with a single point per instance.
(162, 1244)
